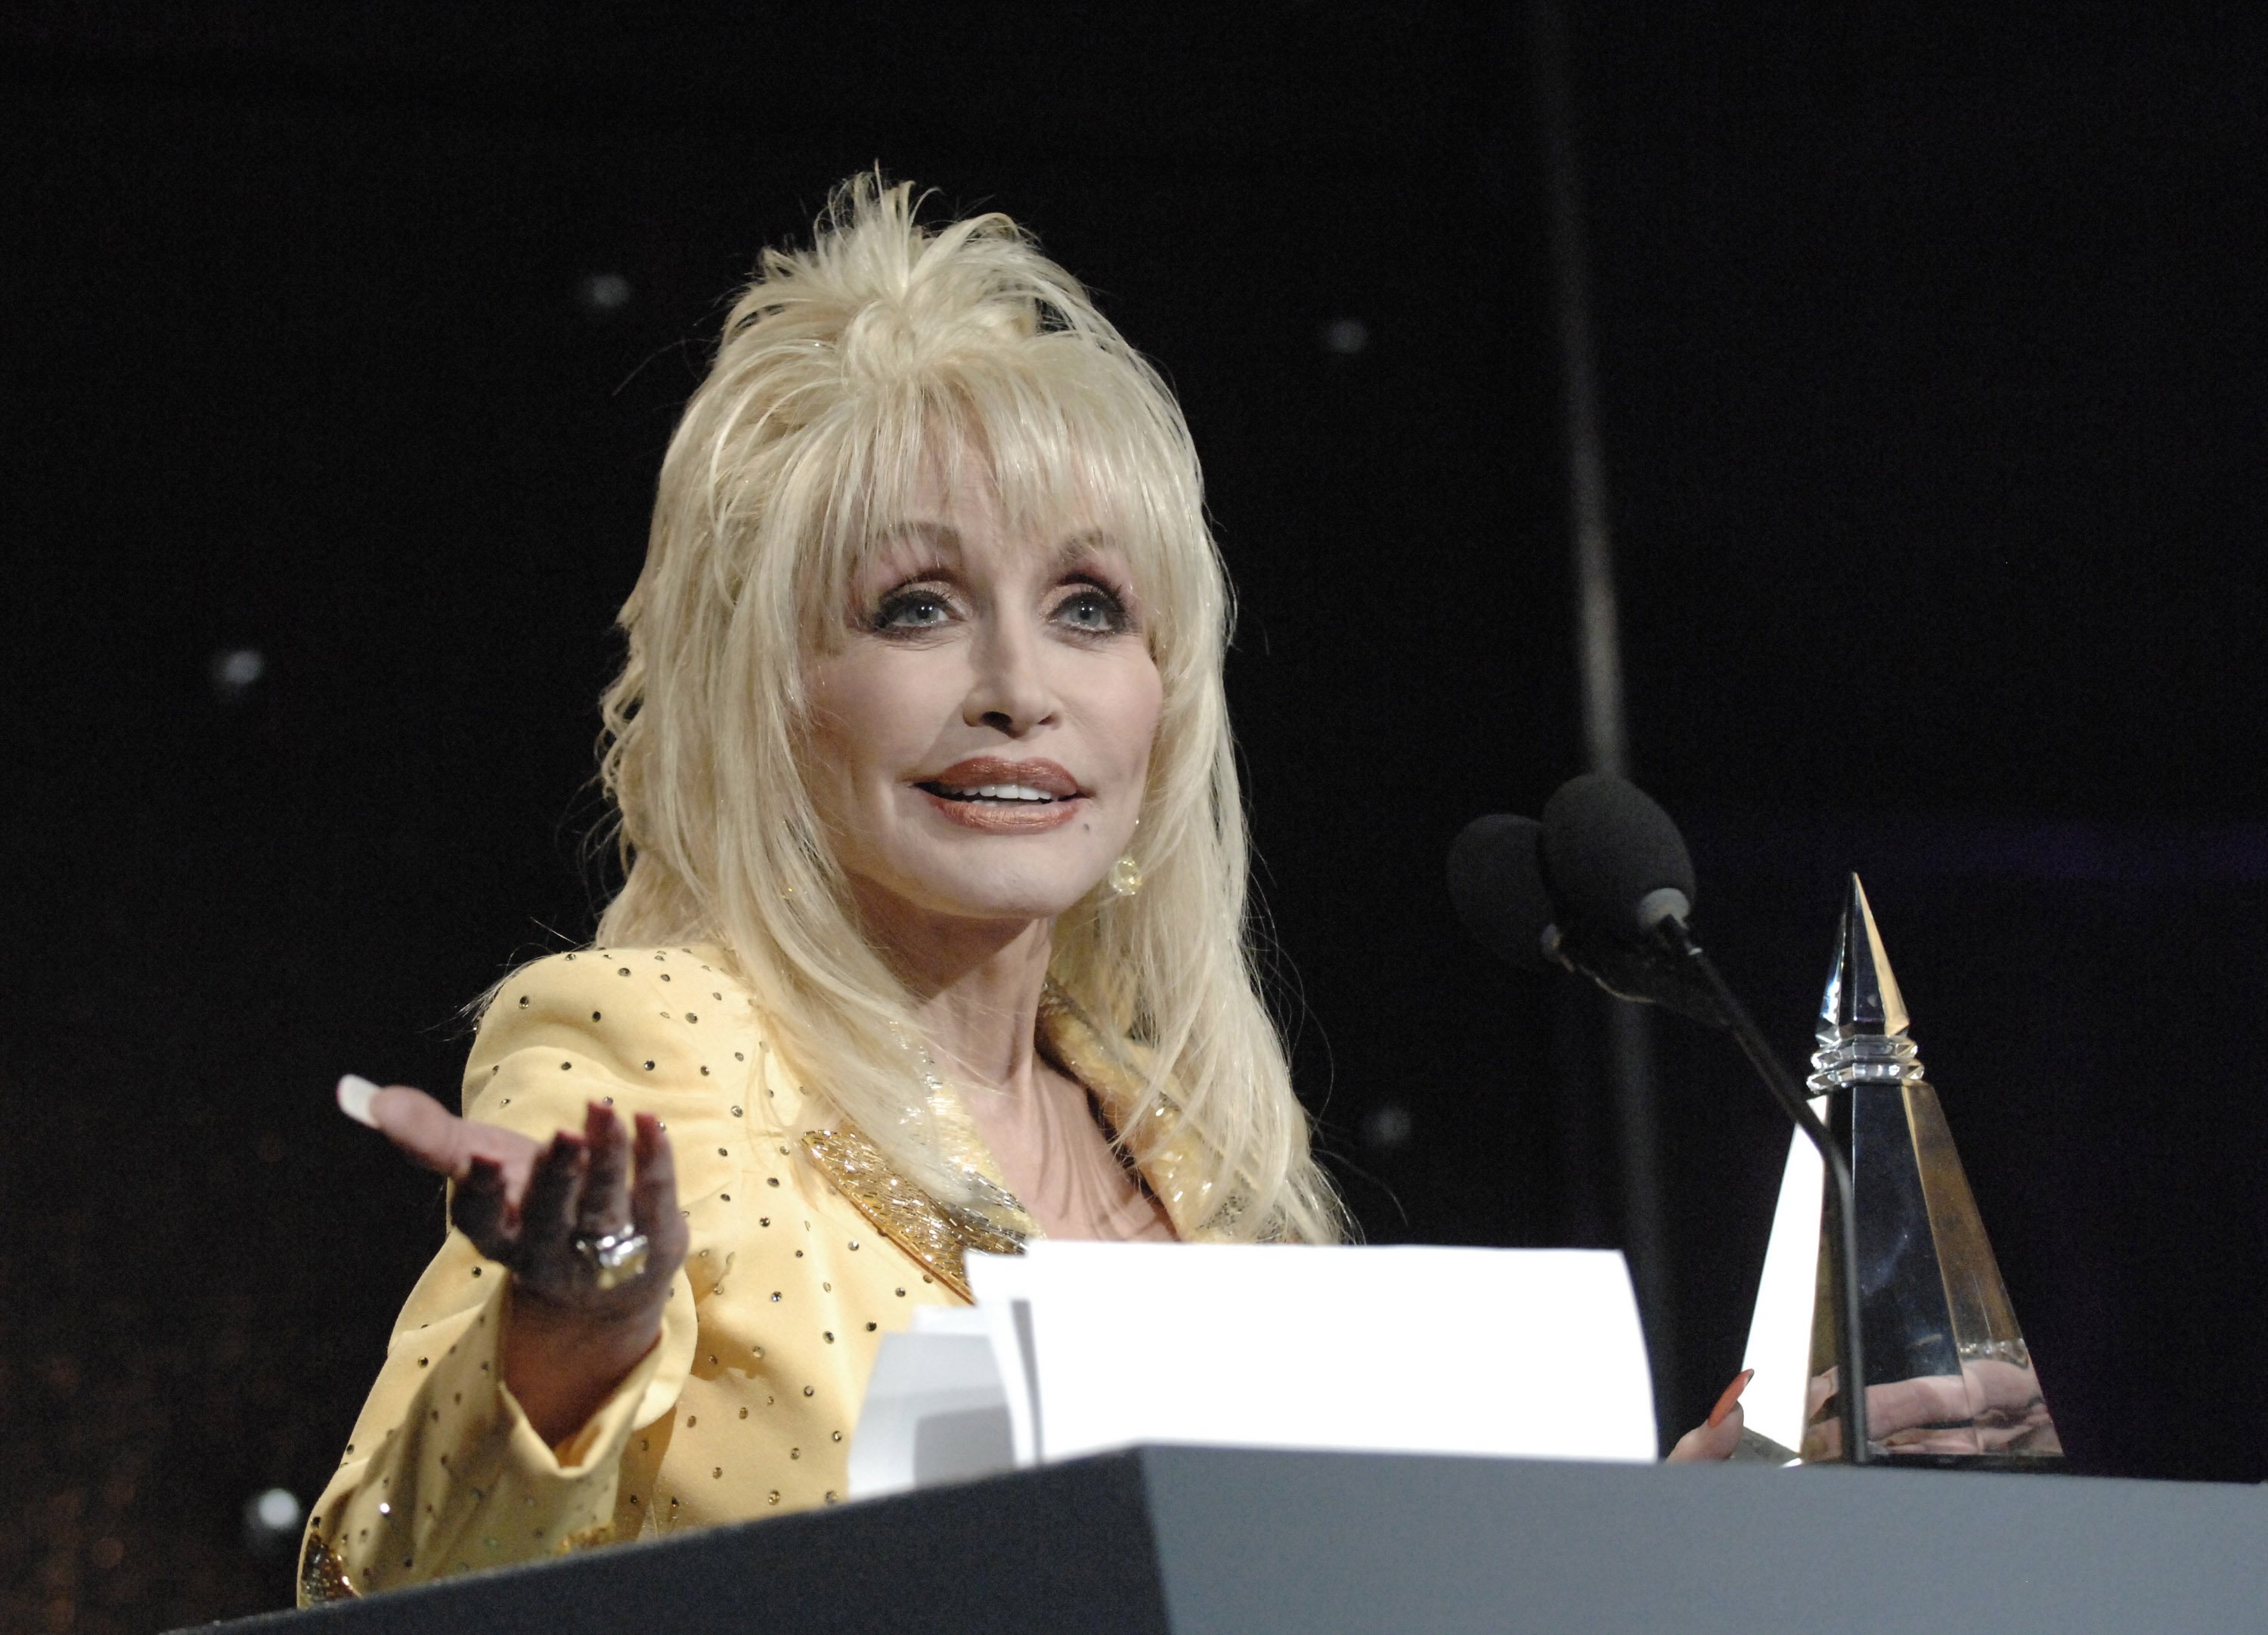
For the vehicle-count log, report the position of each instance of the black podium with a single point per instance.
(1189, 1539)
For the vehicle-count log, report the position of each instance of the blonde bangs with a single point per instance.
(1062, 452)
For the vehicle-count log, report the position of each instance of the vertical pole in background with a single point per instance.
(1629, 1046)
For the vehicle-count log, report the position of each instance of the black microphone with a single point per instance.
(1617, 871)
(1614, 860)
(1497, 882)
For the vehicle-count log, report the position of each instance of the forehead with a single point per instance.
(965, 481)
(970, 518)
(957, 504)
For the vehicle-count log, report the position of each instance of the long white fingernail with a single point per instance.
(356, 1093)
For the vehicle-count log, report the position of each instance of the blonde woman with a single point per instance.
(931, 936)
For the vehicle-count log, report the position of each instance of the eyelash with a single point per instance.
(901, 601)
(1118, 619)
(1084, 591)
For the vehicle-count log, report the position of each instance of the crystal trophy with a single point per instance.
(1949, 1380)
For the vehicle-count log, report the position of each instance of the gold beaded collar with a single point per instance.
(939, 1233)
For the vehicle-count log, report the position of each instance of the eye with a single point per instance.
(1093, 609)
(912, 608)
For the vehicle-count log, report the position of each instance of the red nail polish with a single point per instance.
(1732, 1395)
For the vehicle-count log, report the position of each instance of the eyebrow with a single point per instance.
(1081, 544)
(945, 536)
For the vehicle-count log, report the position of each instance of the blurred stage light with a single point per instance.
(271, 1521)
(1346, 337)
(1388, 1128)
(235, 672)
(605, 293)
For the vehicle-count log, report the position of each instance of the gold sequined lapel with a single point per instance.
(935, 1234)
(938, 1235)
(322, 1579)
(1163, 1146)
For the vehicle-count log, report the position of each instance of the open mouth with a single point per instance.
(1018, 794)
(994, 795)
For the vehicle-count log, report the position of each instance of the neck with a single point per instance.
(975, 986)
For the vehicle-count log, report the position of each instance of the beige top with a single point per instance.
(805, 1249)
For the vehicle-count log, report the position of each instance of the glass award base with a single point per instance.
(1949, 1380)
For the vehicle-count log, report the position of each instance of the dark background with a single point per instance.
(351, 336)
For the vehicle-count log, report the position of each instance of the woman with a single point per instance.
(931, 936)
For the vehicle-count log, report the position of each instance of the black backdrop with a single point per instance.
(349, 337)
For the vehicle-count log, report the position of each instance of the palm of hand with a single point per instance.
(528, 1205)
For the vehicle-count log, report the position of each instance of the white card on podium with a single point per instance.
(936, 1409)
(1513, 1352)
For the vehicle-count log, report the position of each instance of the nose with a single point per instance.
(1010, 691)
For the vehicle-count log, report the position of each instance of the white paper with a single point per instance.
(1535, 1353)
(936, 1409)
(1779, 1334)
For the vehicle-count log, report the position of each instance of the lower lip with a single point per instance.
(1005, 817)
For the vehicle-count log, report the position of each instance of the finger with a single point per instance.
(1820, 1388)
(1714, 1439)
(433, 1138)
(428, 1134)
(546, 1215)
(1907, 1404)
(2003, 1386)
(604, 1205)
(1731, 1399)
(512, 1153)
(653, 1194)
(479, 1209)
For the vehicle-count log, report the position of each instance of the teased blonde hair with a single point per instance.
(841, 369)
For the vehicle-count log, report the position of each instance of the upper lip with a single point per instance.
(978, 771)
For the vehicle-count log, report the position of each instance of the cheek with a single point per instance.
(1138, 704)
(870, 719)
(837, 745)
(825, 772)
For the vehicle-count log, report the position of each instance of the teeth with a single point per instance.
(998, 791)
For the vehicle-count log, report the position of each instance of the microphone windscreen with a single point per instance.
(1606, 847)
(1498, 887)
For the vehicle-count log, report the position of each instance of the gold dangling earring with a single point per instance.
(1126, 874)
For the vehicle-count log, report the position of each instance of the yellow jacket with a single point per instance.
(805, 1248)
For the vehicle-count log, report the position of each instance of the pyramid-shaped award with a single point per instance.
(1949, 1380)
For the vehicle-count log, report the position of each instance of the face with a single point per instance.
(982, 731)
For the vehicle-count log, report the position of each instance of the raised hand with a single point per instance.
(584, 1230)
(587, 1224)
(1717, 1436)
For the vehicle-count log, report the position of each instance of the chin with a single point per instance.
(1023, 894)
(1006, 905)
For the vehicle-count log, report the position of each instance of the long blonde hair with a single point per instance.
(841, 368)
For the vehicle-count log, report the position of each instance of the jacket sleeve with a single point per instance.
(444, 1473)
